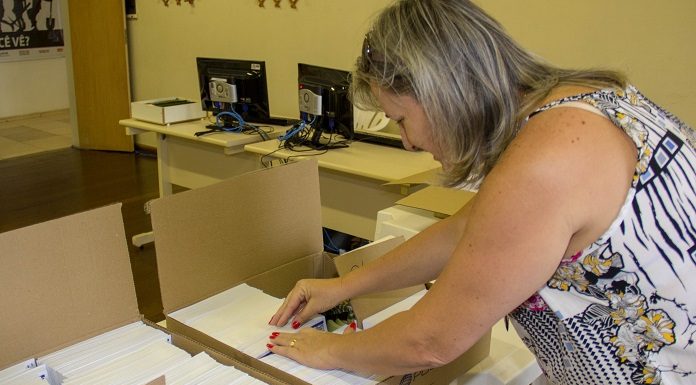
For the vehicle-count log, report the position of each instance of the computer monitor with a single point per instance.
(324, 104)
(233, 85)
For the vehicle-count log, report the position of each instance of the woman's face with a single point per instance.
(416, 132)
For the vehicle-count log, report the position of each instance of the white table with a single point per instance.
(352, 180)
(194, 161)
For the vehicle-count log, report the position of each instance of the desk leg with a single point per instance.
(165, 185)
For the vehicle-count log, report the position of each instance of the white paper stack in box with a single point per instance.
(24, 373)
(261, 228)
(68, 296)
(398, 307)
(237, 317)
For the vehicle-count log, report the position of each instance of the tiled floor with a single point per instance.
(35, 133)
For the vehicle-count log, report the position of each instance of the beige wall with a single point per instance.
(651, 41)
(33, 86)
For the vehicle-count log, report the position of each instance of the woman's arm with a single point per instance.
(416, 261)
(556, 189)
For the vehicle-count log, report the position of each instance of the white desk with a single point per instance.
(352, 180)
(194, 161)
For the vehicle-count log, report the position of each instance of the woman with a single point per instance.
(583, 229)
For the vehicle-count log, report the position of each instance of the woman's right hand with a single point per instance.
(308, 298)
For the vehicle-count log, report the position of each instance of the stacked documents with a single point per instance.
(239, 317)
(135, 354)
(398, 307)
(25, 373)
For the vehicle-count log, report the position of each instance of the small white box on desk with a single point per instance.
(166, 110)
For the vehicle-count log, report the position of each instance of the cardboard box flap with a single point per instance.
(56, 274)
(367, 305)
(430, 177)
(210, 239)
(441, 200)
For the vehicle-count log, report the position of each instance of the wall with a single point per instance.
(32, 86)
(649, 40)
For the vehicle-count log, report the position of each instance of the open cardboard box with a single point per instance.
(441, 201)
(261, 228)
(67, 280)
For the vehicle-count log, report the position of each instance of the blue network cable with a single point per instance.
(240, 121)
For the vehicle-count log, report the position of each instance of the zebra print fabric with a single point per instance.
(623, 311)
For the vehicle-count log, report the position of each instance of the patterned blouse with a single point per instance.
(623, 311)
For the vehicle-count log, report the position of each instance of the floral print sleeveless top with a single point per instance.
(623, 311)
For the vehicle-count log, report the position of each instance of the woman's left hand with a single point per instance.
(309, 347)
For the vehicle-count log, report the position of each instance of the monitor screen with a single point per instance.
(323, 100)
(231, 85)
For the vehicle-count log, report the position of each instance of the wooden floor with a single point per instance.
(48, 185)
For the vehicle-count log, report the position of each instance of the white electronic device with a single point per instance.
(222, 91)
(310, 102)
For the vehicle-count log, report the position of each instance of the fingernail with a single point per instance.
(295, 324)
(353, 325)
(270, 346)
(273, 336)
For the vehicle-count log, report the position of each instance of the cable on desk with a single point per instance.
(301, 135)
(240, 126)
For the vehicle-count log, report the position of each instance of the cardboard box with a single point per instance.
(261, 228)
(166, 110)
(368, 305)
(442, 201)
(68, 280)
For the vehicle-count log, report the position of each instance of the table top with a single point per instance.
(187, 130)
(373, 161)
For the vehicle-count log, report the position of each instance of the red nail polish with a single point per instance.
(275, 334)
(270, 346)
(295, 324)
(353, 325)
(272, 336)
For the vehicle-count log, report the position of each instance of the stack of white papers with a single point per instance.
(201, 369)
(25, 373)
(239, 318)
(134, 354)
(398, 307)
(318, 376)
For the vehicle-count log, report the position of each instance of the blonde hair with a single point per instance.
(475, 83)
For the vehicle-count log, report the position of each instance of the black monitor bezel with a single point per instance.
(242, 72)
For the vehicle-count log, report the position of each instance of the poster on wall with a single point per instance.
(30, 29)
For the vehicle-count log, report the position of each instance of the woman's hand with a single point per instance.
(308, 298)
(309, 347)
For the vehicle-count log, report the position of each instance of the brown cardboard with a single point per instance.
(213, 238)
(158, 381)
(69, 279)
(368, 305)
(57, 277)
(430, 177)
(440, 200)
(262, 228)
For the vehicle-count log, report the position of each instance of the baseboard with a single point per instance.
(35, 115)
